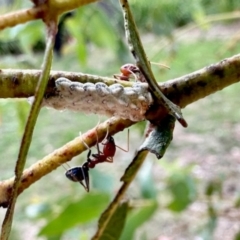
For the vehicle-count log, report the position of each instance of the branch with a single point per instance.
(182, 91)
(17, 83)
(40, 11)
(204, 82)
(31, 121)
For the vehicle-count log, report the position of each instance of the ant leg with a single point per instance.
(121, 77)
(85, 170)
(65, 167)
(90, 162)
(125, 150)
(134, 75)
(85, 144)
(106, 136)
(98, 148)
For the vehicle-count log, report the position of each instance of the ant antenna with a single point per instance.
(160, 64)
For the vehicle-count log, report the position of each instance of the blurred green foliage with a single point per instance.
(165, 191)
(100, 25)
(75, 213)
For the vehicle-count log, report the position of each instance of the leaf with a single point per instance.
(101, 30)
(137, 218)
(118, 219)
(146, 181)
(89, 25)
(82, 211)
(22, 109)
(29, 34)
(210, 226)
(134, 166)
(159, 139)
(183, 191)
(73, 27)
(237, 236)
(212, 187)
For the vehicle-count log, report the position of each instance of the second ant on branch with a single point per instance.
(81, 175)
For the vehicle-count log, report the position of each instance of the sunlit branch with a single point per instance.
(62, 155)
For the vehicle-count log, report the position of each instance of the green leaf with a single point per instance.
(212, 187)
(137, 218)
(22, 109)
(80, 212)
(89, 25)
(160, 137)
(118, 219)
(75, 30)
(237, 202)
(29, 34)
(146, 181)
(183, 191)
(210, 226)
(102, 31)
(237, 236)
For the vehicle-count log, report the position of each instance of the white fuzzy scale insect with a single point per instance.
(115, 100)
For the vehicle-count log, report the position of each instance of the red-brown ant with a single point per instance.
(130, 70)
(80, 174)
(107, 154)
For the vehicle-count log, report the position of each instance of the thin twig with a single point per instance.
(135, 46)
(40, 11)
(127, 179)
(27, 136)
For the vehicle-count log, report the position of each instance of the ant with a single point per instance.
(106, 155)
(130, 70)
(80, 174)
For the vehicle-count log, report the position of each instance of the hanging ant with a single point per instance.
(80, 174)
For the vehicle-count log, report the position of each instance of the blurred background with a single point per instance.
(193, 192)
